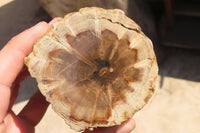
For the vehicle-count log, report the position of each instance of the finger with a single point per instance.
(12, 61)
(12, 55)
(35, 109)
(54, 20)
(126, 127)
(103, 130)
(4, 101)
(12, 124)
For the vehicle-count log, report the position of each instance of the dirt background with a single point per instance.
(175, 108)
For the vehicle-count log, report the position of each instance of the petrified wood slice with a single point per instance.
(95, 67)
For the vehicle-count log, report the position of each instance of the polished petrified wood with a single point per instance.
(95, 67)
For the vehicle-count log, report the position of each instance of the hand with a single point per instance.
(13, 72)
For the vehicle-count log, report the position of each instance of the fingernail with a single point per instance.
(126, 127)
(54, 20)
(38, 26)
(41, 23)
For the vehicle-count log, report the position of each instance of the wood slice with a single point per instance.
(96, 68)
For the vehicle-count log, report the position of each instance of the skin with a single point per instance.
(13, 72)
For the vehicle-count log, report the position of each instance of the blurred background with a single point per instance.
(174, 28)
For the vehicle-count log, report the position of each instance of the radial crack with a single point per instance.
(121, 24)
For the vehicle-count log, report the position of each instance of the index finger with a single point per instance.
(12, 55)
(12, 61)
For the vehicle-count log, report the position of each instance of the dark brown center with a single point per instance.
(96, 65)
